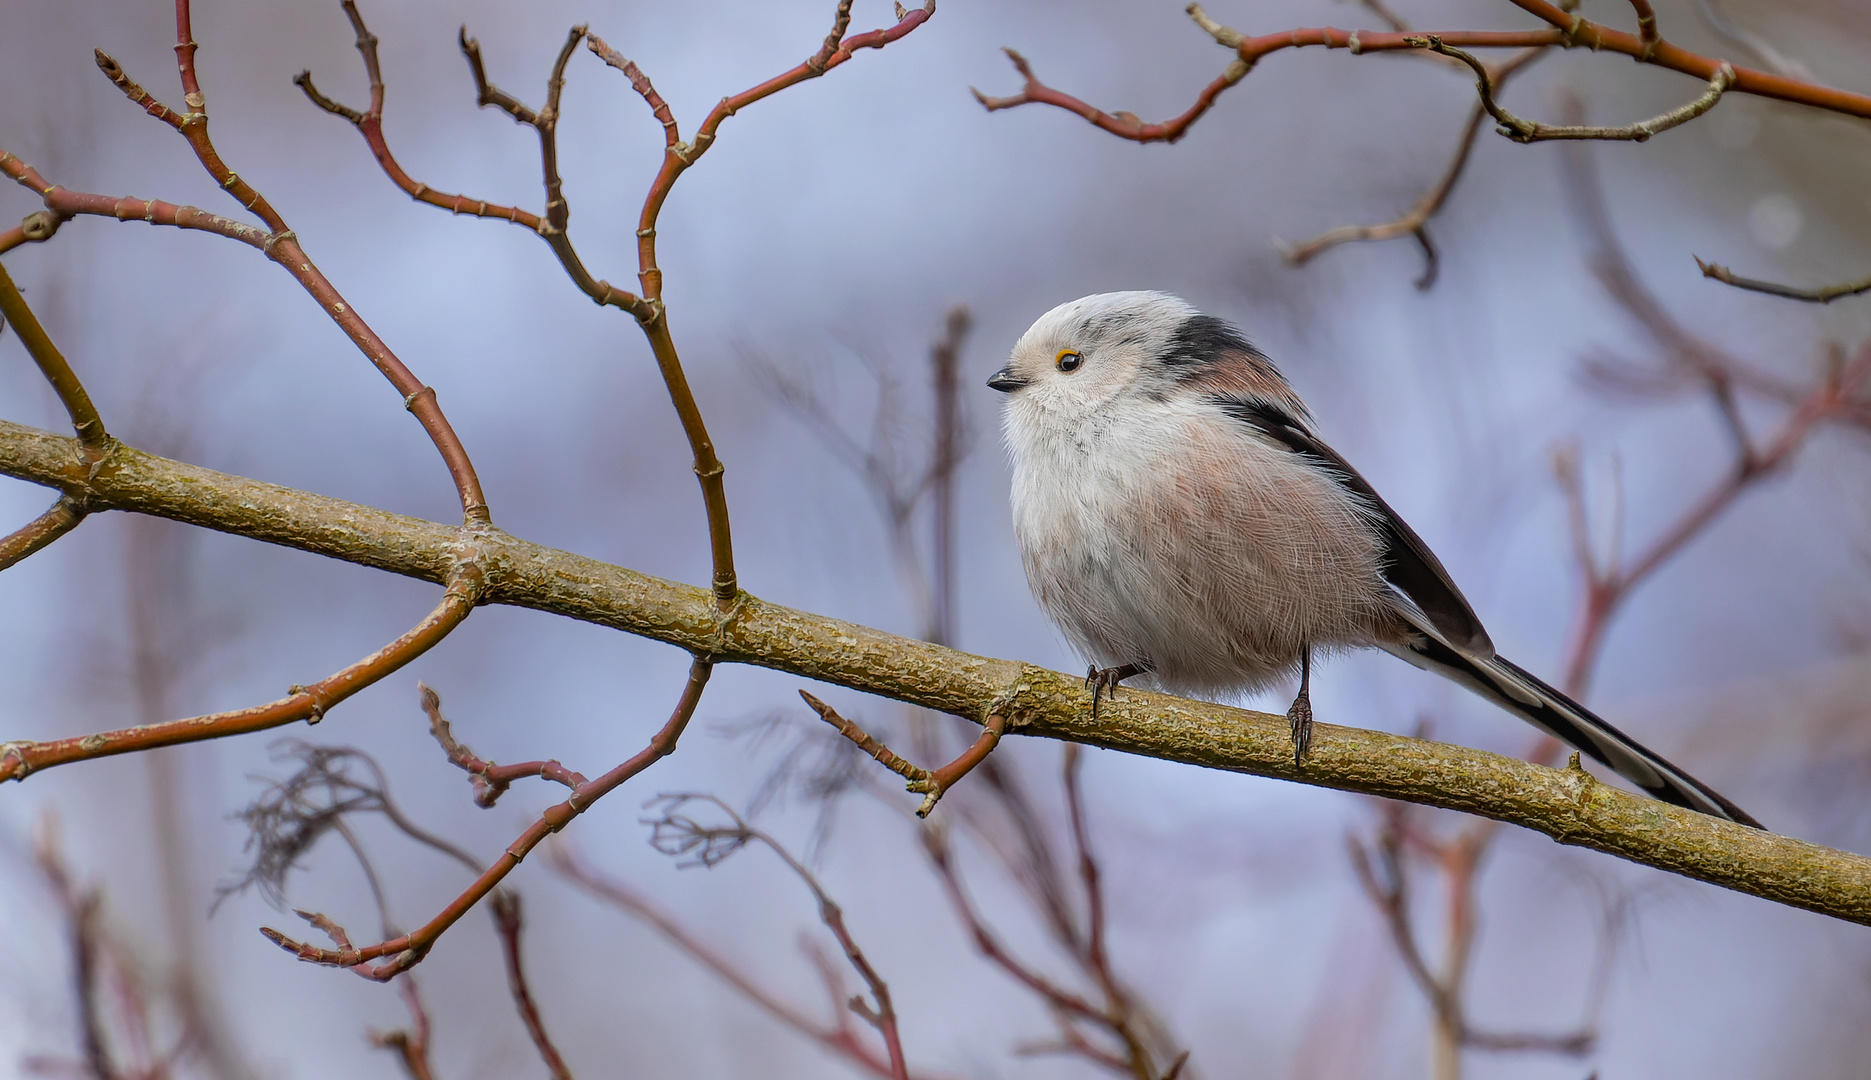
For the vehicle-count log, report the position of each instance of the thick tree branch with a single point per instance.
(1567, 805)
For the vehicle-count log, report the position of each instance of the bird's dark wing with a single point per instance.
(1409, 565)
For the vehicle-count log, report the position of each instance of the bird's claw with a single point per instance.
(1299, 716)
(1105, 681)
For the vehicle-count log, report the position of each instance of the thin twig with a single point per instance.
(307, 702)
(1825, 294)
(1415, 222)
(281, 245)
(1609, 581)
(1646, 26)
(930, 784)
(1527, 131)
(1565, 28)
(85, 420)
(62, 517)
(838, 1035)
(506, 908)
(407, 950)
(675, 833)
(490, 781)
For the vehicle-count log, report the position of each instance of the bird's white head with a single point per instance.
(1096, 352)
(1082, 354)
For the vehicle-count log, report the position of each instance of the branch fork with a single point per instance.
(930, 784)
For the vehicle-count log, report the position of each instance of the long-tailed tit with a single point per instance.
(1180, 520)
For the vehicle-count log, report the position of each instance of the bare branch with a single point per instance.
(63, 516)
(506, 909)
(85, 420)
(675, 833)
(837, 1035)
(1528, 131)
(1416, 221)
(1567, 806)
(931, 785)
(1565, 28)
(490, 780)
(407, 950)
(281, 244)
(1825, 294)
(309, 702)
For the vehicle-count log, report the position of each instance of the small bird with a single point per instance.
(1180, 521)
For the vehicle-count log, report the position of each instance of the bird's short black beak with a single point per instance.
(1006, 381)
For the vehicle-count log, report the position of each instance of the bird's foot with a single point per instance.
(1299, 715)
(1104, 680)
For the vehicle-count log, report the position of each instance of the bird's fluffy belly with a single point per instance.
(1214, 566)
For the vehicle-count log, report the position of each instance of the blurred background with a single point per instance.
(811, 260)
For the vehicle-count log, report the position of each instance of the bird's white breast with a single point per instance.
(1169, 534)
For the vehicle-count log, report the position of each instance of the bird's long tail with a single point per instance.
(1520, 693)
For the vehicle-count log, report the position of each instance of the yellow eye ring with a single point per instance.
(1068, 360)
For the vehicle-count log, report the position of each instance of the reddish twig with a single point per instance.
(506, 908)
(1646, 26)
(85, 421)
(370, 124)
(1416, 221)
(648, 308)
(1824, 294)
(411, 1044)
(62, 204)
(490, 780)
(68, 510)
(282, 246)
(1565, 29)
(1610, 579)
(838, 1035)
(407, 950)
(310, 703)
(677, 158)
(466, 580)
(675, 833)
(36, 227)
(930, 784)
(551, 226)
(1069, 1008)
(64, 516)
(113, 1009)
(1528, 131)
(945, 459)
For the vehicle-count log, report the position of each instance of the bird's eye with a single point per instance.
(1068, 360)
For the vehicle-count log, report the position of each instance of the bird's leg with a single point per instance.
(1105, 680)
(1300, 714)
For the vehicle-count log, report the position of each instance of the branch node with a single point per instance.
(40, 225)
(1222, 34)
